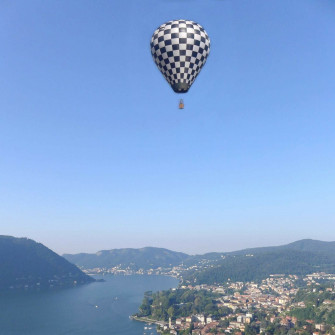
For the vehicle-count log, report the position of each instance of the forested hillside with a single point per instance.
(259, 266)
(300, 258)
(146, 258)
(25, 263)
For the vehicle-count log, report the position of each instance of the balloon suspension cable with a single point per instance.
(181, 104)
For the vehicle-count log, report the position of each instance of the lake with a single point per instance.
(97, 308)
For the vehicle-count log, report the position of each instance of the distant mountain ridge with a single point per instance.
(146, 258)
(301, 245)
(300, 257)
(26, 263)
(262, 265)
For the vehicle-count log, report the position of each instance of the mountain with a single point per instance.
(26, 263)
(301, 245)
(145, 258)
(299, 258)
(312, 246)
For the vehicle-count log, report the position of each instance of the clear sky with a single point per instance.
(95, 154)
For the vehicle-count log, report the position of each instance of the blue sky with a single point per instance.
(95, 154)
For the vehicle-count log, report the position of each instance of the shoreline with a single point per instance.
(146, 320)
(180, 279)
(158, 323)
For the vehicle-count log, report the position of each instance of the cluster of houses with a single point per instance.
(202, 324)
(172, 271)
(273, 295)
(274, 292)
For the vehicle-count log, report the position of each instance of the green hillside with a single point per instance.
(25, 263)
(301, 245)
(300, 257)
(146, 258)
(262, 264)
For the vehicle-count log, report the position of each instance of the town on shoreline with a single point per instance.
(273, 306)
(279, 304)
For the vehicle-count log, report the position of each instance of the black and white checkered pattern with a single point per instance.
(180, 49)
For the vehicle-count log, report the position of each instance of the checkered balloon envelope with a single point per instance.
(180, 49)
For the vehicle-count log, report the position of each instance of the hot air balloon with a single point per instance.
(180, 49)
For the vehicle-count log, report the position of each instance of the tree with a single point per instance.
(250, 330)
(145, 308)
(171, 312)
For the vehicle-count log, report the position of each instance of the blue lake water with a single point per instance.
(97, 308)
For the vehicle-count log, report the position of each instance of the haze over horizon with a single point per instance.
(96, 155)
(186, 251)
